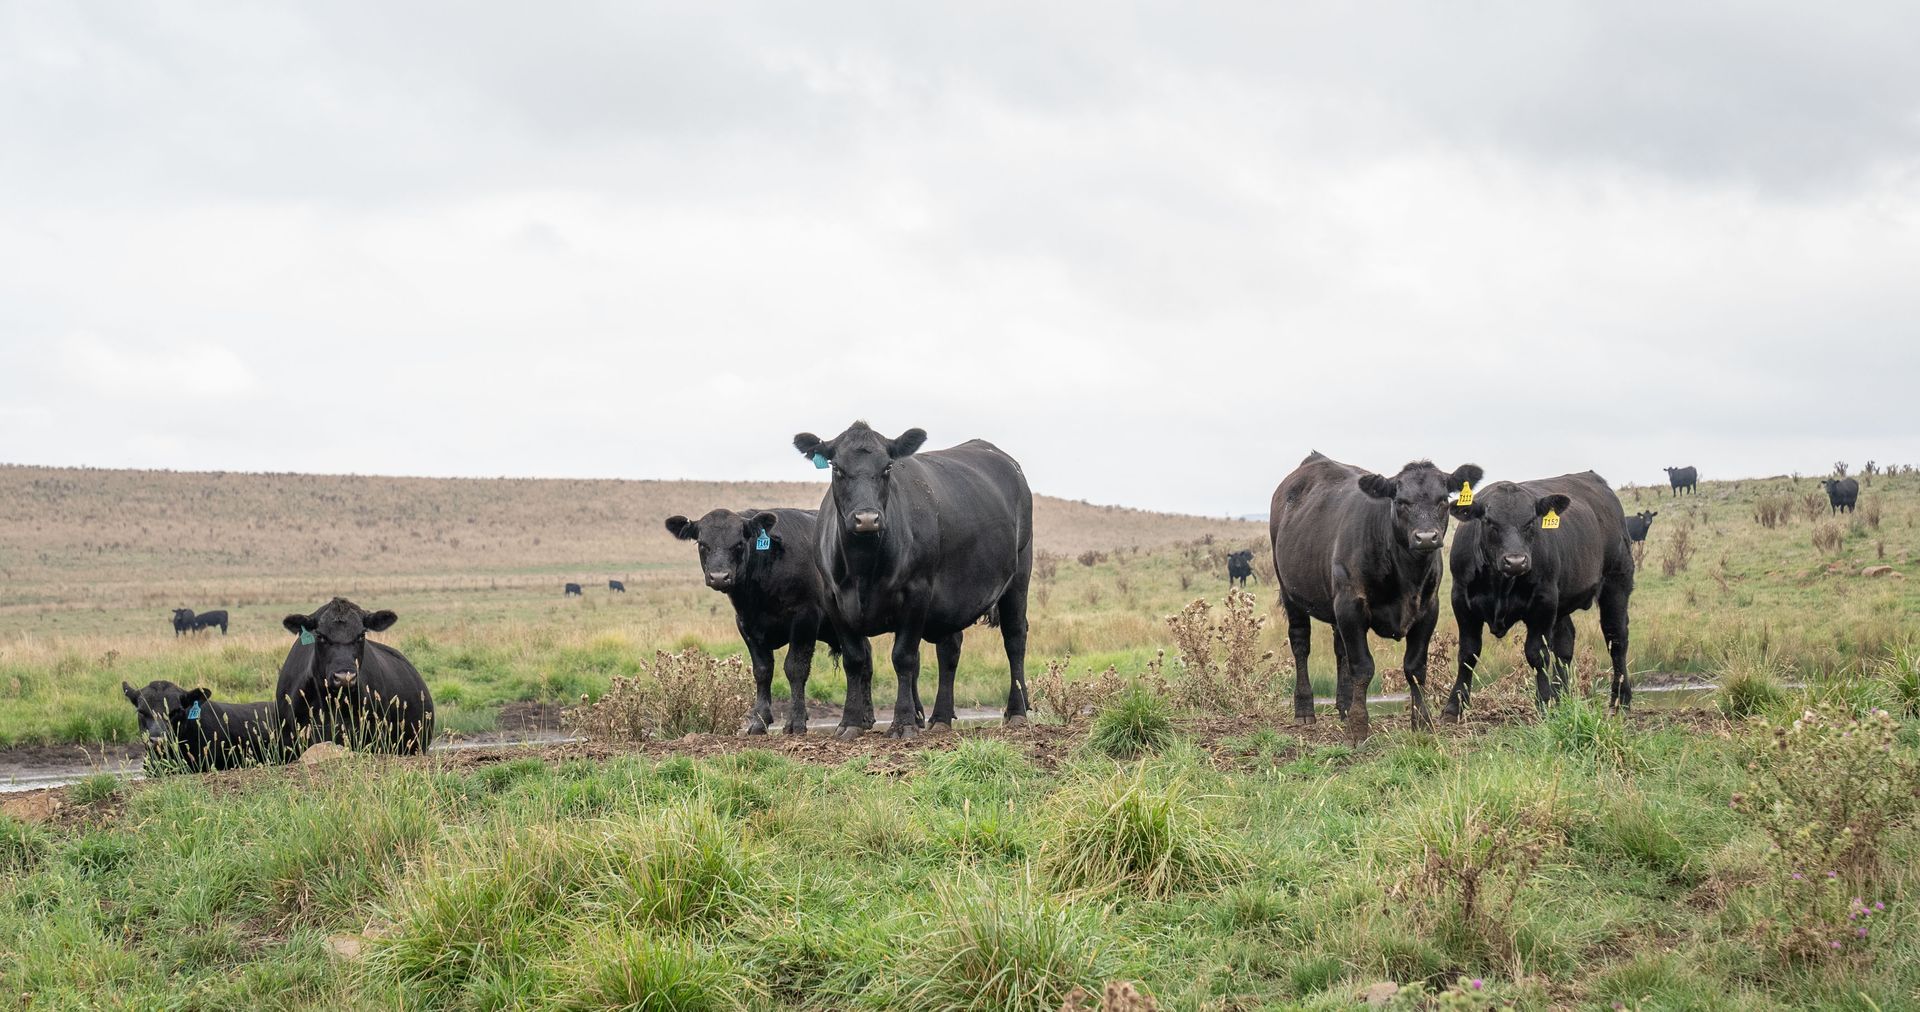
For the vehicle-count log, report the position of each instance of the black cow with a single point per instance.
(1511, 565)
(763, 560)
(1239, 568)
(616, 586)
(1361, 552)
(1639, 523)
(184, 729)
(337, 686)
(1683, 479)
(1842, 494)
(185, 621)
(921, 545)
(570, 590)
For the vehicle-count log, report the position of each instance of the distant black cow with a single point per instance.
(338, 686)
(763, 560)
(1361, 552)
(1842, 494)
(1639, 524)
(921, 545)
(570, 590)
(616, 586)
(183, 729)
(185, 621)
(1683, 479)
(1239, 568)
(1512, 564)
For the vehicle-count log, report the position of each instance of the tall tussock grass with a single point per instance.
(997, 947)
(1136, 833)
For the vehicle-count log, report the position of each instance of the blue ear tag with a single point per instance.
(306, 636)
(194, 714)
(762, 543)
(819, 462)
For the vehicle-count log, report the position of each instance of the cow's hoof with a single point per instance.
(796, 729)
(1303, 719)
(903, 729)
(940, 727)
(848, 732)
(1449, 716)
(756, 729)
(1016, 720)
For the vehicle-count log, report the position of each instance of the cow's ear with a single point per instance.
(810, 445)
(379, 621)
(908, 443)
(297, 624)
(132, 696)
(764, 521)
(1652, 513)
(1377, 486)
(1555, 502)
(199, 695)
(1465, 474)
(1473, 511)
(682, 528)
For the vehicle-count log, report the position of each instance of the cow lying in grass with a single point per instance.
(184, 729)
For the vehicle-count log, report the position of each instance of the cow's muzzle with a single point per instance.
(720, 581)
(1427, 541)
(866, 521)
(1515, 565)
(343, 677)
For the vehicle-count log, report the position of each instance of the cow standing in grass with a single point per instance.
(185, 621)
(1535, 552)
(1842, 494)
(183, 728)
(921, 545)
(1239, 568)
(336, 685)
(1361, 552)
(1683, 479)
(763, 560)
(1639, 524)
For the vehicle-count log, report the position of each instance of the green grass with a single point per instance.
(1136, 723)
(1610, 866)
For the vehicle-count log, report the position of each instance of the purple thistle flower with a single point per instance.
(1862, 932)
(1796, 876)
(1478, 983)
(1836, 945)
(1877, 905)
(1833, 874)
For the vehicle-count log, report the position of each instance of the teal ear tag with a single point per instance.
(194, 714)
(306, 636)
(762, 543)
(819, 462)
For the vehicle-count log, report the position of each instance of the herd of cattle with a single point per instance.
(924, 545)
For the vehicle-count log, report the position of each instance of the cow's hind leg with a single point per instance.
(1013, 633)
(1613, 625)
(1350, 626)
(906, 673)
(1341, 673)
(1300, 638)
(947, 651)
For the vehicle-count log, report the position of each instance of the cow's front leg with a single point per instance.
(762, 713)
(1536, 650)
(947, 652)
(857, 719)
(1471, 631)
(799, 665)
(1414, 665)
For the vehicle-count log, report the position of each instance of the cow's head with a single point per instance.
(862, 462)
(728, 542)
(163, 707)
(1509, 518)
(1646, 516)
(1240, 558)
(1420, 495)
(339, 631)
(1669, 470)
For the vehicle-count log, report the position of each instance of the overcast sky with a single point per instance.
(1157, 253)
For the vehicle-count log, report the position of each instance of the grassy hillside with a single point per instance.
(92, 561)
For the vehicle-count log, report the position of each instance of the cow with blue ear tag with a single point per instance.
(337, 685)
(763, 561)
(184, 729)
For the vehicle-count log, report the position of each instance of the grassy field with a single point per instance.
(93, 561)
(1206, 850)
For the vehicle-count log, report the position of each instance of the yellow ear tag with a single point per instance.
(1550, 522)
(1466, 494)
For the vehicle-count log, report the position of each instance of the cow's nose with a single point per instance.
(866, 521)
(1515, 565)
(719, 580)
(1426, 541)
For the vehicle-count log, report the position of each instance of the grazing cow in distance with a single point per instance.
(763, 560)
(616, 586)
(184, 727)
(336, 685)
(1361, 552)
(1639, 524)
(1239, 568)
(1842, 494)
(1683, 479)
(921, 545)
(1535, 552)
(185, 621)
(570, 590)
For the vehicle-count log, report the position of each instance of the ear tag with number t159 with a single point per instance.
(1550, 522)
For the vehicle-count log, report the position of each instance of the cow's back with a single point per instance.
(393, 677)
(1591, 543)
(1304, 524)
